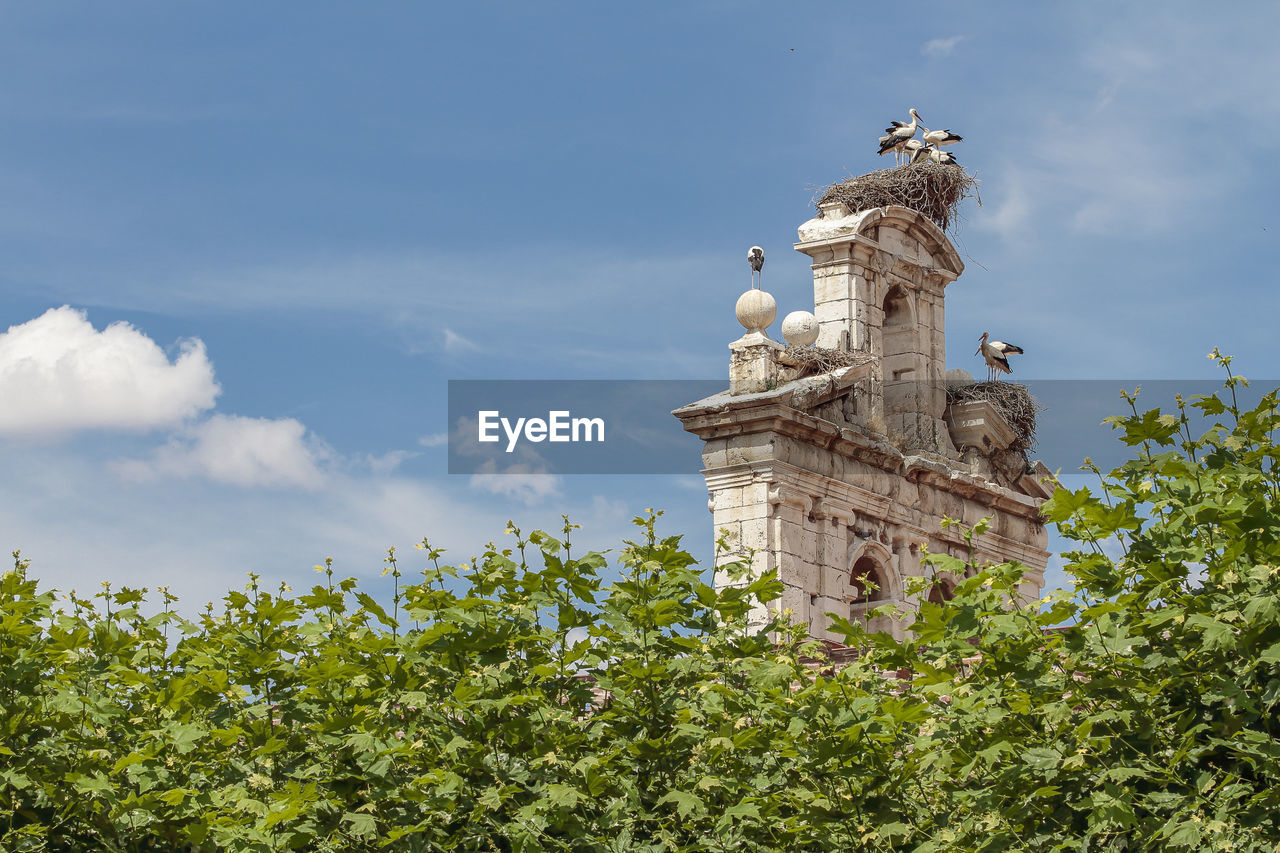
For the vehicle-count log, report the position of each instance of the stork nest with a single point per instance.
(932, 189)
(814, 360)
(1012, 400)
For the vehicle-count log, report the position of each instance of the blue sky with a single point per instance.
(312, 216)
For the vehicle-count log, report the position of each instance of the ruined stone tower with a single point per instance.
(834, 463)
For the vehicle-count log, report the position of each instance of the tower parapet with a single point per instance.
(834, 465)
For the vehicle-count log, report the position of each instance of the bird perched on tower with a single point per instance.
(755, 257)
(996, 354)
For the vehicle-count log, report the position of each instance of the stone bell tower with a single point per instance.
(834, 460)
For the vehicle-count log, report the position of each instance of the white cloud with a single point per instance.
(79, 527)
(237, 450)
(1011, 215)
(615, 510)
(525, 478)
(938, 48)
(692, 482)
(526, 482)
(58, 375)
(1081, 175)
(455, 343)
(435, 439)
(389, 461)
(411, 291)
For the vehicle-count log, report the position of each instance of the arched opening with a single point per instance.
(942, 591)
(905, 388)
(867, 581)
(897, 308)
(871, 585)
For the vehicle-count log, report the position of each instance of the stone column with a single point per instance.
(791, 541)
(752, 365)
(832, 592)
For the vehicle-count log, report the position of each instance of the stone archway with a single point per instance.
(942, 591)
(873, 581)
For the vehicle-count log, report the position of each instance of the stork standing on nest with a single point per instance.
(943, 158)
(897, 134)
(927, 153)
(996, 355)
(755, 257)
(940, 138)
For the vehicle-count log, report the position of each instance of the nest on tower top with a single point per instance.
(1014, 403)
(814, 360)
(932, 189)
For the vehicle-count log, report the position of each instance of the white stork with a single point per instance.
(912, 148)
(897, 134)
(755, 257)
(943, 158)
(940, 138)
(920, 153)
(996, 354)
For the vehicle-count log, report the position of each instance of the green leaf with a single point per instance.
(685, 802)
(174, 797)
(361, 825)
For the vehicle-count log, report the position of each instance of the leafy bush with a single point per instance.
(519, 702)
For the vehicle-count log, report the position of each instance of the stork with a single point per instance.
(921, 152)
(943, 158)
(755, 257)
(912, 148)
(996, 354)
(940, 138)
(897, 134)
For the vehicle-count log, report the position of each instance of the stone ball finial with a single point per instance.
(800, 328)
(756, 309)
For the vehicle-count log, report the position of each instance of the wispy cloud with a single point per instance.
(525, 478)
(59, 375)
(200, 537)
(525, 482)
(389, 461)
(942, 47)
(456, 344)
(435, 439)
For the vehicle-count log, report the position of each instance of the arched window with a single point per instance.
(868, 581)
(943, 590)
(873, 583)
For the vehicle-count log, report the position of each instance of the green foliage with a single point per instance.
(521, 702)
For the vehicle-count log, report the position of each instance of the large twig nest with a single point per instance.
(1014, 403)
(814, 360)
(932, 189)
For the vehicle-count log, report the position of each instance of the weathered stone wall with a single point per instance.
(840, 482)
(809, 502)
(890, 258)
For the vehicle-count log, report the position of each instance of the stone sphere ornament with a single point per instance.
(800, 328)
(756, 310)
